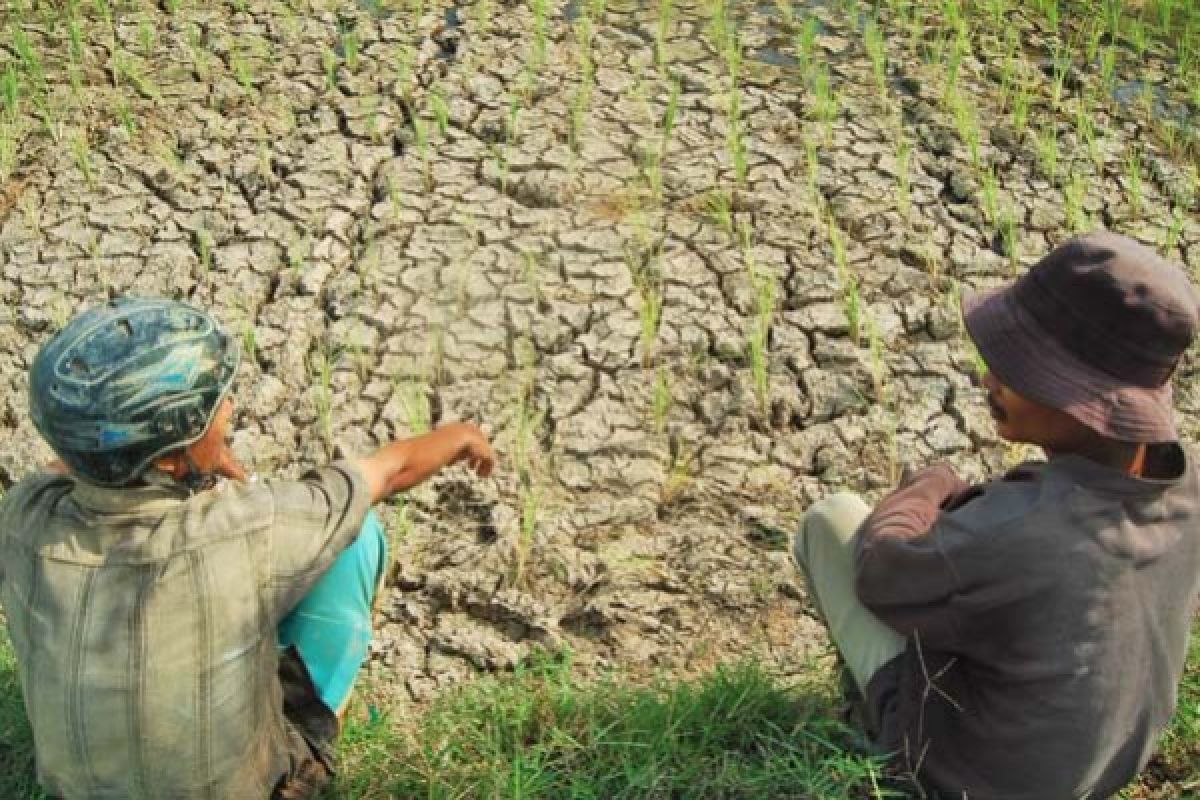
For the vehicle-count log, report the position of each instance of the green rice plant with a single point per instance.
(75, 41)
(766, 290)
(1009, 238)
(1108, 69)
(989, 195)
(903, 176)
(1133, 180)
(81, 152)
(28, 57)
(850, 296)
(1020, 109)
(1047, 151)
(329, 63)
(877, 52)
(441, 111)
(719, 208)
(720, 27)
(250, 341)
(736, 140)
(1074, 197)
(351, 48)
(10, 91)
(125, 115)
(414, 401)
(204, 252)
(665, 11)
(879, 375)
(650, 316)
(661, 400)
(147, 39)
(966, 121)
(1139, 38)
(242, 71)
(8, 151)
(538, 53)
(321, 364)
(826, 105)
(812, 171)
(421, 139)
(806, 42)
(1173, 233)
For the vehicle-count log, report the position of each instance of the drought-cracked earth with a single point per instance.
(417, 214)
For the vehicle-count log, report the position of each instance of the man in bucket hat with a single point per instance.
(1024, 638)
(179, 636)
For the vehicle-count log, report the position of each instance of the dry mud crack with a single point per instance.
(685, 305)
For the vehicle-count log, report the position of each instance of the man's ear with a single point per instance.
(173, 463)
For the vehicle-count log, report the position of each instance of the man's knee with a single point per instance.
(832, 520)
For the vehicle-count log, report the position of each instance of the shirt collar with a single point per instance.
(154, 498)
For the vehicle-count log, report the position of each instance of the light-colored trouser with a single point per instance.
(824, 550)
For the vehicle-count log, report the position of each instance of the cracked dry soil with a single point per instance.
(406, 223)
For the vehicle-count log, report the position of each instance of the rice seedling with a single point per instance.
(661, 400)
(421, 139)
(989, 195)
(351, 47)
(826, 103)
(850, 297)
(10, 91)
(813, 172)
(28, 57)
(1020, 109)
(321, 363)
(736, 140)
(538, 52)
(1047, 151)
(8, 151)
(1009, 238)
(878, 364)
(719, 208)
(1108, 69)
(243, 73)
(665, 11)
(806, 42)
(1173, 233)
(203, 243)
(720, 28)
(81, 152)
(903, 176)
(765, 292)
(1074, 196)
(414, 402)
(966, 121)
(329, 63)
(1139, 39)
(441, 111)
(877, 52)
(1133, 180)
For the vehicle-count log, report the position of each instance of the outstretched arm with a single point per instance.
(401, 465)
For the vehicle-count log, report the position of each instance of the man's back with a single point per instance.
(144, 624)
(1058, 635)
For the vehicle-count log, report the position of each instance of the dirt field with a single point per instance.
(694, 268)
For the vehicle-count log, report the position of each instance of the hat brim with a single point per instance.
(1029, 361)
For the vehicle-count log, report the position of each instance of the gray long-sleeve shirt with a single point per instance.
(1047, 616)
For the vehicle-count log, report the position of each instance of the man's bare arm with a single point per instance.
(401, 465)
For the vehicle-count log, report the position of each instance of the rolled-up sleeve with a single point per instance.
(902, 573)
(314, 519)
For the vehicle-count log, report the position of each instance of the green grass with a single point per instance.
(542, 732)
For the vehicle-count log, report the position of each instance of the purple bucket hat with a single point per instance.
(1094, 329)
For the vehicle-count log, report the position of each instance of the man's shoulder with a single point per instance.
(36, 491)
